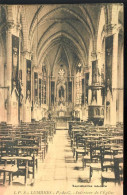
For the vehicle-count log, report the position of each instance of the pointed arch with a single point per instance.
(68, 36)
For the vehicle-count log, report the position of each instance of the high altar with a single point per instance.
(61, 96)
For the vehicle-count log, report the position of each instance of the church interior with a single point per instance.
(61, 96)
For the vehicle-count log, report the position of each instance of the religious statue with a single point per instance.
(61, 94)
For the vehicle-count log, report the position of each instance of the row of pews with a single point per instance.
(100, 149)
(21, 147)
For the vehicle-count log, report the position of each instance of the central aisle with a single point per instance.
(59, 169)
(60, 174)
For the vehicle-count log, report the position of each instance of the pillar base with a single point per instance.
(27, 112)
(12, 115)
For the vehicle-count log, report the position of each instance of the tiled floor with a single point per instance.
(60, 174)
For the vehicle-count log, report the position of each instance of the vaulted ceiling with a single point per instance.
(62, 33)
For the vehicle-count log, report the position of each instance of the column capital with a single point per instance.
(18, 26)
(99, 54)
(9, 25)
(94, 56)
(26, 54)
(40, 74)
(6, 27)
(111, 29)
(86, 69)
(35, 67)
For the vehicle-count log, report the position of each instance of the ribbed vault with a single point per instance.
(68, 28)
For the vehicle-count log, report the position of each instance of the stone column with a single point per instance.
(3, 92)
(80, 88)
(47, 95)
(9, 56)
(99, 97)
(24, 117)
(8, 75)
(2, 67)
(120, 80)
(84, 89)
(32, 80)
(89, 96)
(38, 86)
(121, 90)
(74, 90)
(114, 79)
(90, 75)
(24, 75)
(99, 66)
(67, 93)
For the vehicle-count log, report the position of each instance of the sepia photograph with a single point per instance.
(61, 99)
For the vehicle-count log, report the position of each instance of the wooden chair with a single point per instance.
(108, 177)
(118, 169)
(107, 161)
(26, 169)
(9, 169)
(95, 159)
(112, 172)
(80, 147)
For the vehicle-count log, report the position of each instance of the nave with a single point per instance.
(65, 61)
(61, 98)
(60, 170)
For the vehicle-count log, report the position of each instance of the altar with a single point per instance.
(62, 122)
(61, 113)
(61, 96)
